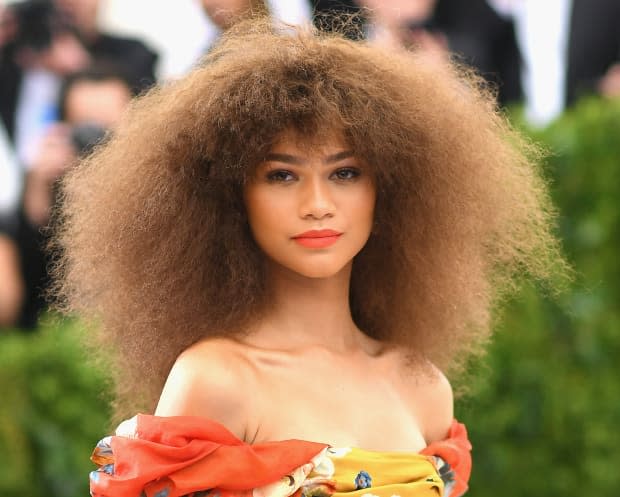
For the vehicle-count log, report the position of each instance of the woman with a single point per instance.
(282, 252)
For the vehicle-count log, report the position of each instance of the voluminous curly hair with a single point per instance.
(154, 242)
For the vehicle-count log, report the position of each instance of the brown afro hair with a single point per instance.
(154, 243)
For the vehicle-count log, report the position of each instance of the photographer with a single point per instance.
(90, 104)
(137, 60)
(473, 30)
(39, 47)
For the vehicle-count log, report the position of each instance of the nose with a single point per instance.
(316, 201)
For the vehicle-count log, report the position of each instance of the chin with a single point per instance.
(319, 271)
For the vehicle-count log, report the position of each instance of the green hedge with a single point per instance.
(52, 411)
(543, 411)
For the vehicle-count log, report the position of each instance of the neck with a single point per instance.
(306, 312)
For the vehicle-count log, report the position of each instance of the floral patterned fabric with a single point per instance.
(154, 456)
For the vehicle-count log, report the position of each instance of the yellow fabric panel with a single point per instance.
(357, 473)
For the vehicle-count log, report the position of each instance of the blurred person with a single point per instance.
(570, 48)
(484, 39)
(408, 23)
(11, 280)
(7, 25)
(91, 103)
(40, 48)
(593, 49)
(11, 176)
(222, 14)
(609, 84)
(136, 59)
(472, 30)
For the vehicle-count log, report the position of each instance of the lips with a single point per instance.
(317, 238)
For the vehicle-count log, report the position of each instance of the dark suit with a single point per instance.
(10, 82)
(593, 46)
(131, 56)
(485, 41)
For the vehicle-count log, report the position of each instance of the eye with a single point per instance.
(346, 173)
(280, 176)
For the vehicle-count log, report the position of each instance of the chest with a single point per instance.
(344, 405)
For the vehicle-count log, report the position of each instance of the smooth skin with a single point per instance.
(306, 371)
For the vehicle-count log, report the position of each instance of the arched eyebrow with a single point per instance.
(286, 158)
(298, 161)
(339, 156)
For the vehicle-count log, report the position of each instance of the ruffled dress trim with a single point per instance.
(153, 456)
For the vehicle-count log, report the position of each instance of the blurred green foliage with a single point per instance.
(542, 412)
(53, 408)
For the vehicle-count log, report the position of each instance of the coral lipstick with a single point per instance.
(317, 238)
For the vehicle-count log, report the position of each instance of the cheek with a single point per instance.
(363, 207)
(264, 213)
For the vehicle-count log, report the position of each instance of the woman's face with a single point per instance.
(310, 208)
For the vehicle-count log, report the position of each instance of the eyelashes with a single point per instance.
(341, 174)
(280, 176)
(347, 173)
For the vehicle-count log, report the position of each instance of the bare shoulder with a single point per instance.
(211, 379)
(430, 396)
(435, 404)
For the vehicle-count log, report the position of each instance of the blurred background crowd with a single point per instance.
(66, 78)
(68, 68)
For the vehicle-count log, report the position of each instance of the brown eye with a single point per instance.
(346, 173)
(280, 176)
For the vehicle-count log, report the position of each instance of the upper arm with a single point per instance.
(207, 382)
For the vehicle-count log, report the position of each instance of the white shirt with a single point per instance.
(36, 110)
(180, 31)
(542, 28)
(10, 175)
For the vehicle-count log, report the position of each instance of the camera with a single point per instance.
(84, 137)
